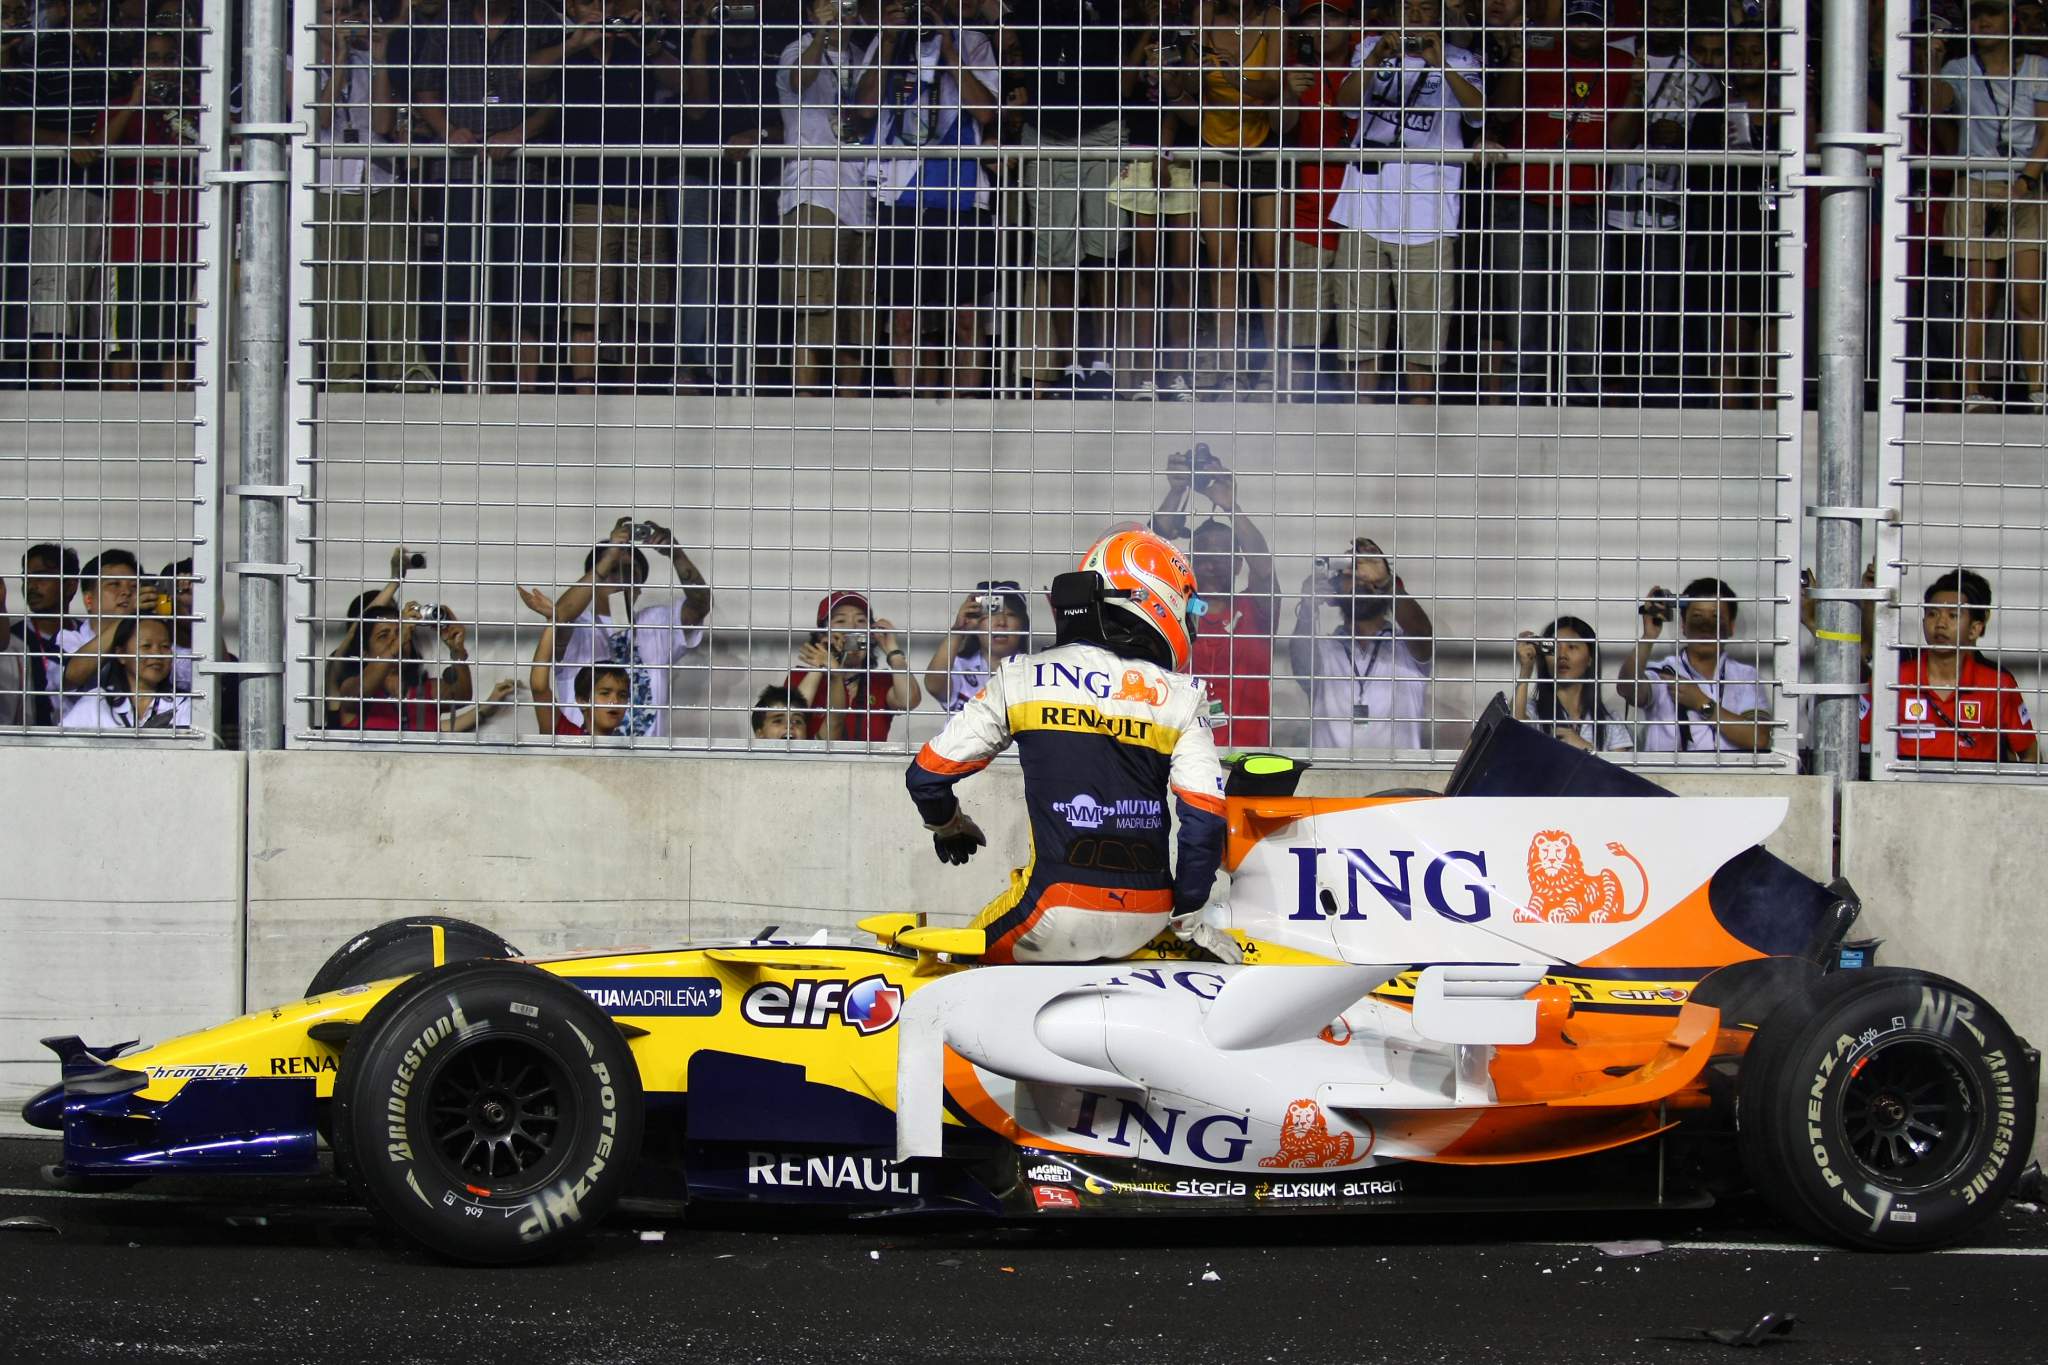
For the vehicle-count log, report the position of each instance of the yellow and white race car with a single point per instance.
(1515, 996)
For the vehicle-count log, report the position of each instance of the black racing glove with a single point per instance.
(956, 840)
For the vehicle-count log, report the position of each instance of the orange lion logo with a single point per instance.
(1306, 1140)
(1135, 688)
(1561, 891)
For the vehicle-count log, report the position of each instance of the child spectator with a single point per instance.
(1956, 705)
(601, 692)
(133, 689)
(1368, 681)
(1697, 698)
(842, 694)
(1557, 686)
(993, 623)
(646, 642)
(776, 715)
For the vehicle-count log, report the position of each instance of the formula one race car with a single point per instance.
(1543, 990)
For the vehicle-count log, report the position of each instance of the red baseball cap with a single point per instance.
(832, 601)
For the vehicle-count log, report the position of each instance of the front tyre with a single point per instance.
(489, 1112)
(1892, 1110)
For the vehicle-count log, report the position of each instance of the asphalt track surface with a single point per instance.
(288, 1270)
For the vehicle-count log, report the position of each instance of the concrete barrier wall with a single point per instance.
(1950, 875)
(121, 905)
(125, 908)
(555, 851)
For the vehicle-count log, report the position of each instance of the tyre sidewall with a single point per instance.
(383, 1108)
(402, 947)
(1792, 1109)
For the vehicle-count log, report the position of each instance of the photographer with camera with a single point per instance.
(1646, 203)
(1557, 686)
(1233, 653)
(930, 81)
(826, 211)
(1697, 698)
(852, 676)
(1368, 680)
(1992, 104)
(646, 642)
(993, 624)
(385, 684)
(1411, 90)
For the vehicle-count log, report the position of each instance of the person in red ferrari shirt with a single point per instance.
(1234, 652)
(1547, 219)
(1954, 703)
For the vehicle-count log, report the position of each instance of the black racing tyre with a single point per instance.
(1405, 791)
(488, 1111)
(1889, 1109)
(401, 947)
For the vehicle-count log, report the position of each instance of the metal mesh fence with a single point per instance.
(109, 247)
(1421, 331)
(1961, 466)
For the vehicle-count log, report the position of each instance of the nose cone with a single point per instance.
(46, 1109)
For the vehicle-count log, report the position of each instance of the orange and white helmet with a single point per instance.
(1153, 583)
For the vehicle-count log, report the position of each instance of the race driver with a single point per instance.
(1110, 727)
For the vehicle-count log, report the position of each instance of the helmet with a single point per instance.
(1150, 591)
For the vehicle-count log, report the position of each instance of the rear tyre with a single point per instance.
(1890, 1110)
(401, 947)
(489, 1112)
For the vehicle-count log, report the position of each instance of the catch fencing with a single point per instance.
(561, 277)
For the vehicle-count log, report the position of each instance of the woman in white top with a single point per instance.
(993, 624)
(1557, 686)
(134, 691)
(1367, 682)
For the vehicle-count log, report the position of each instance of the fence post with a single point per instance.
(1844, 187)
(260, 365)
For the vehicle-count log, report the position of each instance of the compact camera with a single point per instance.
(739, 14)
(415, 560)
(1659, 606)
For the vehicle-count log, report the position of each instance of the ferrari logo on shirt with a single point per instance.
(1581, 89)
(1972, 712)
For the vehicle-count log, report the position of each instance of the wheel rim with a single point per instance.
(1911, 1113)
(500, 1115)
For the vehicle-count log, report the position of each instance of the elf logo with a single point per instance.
(870, 1005)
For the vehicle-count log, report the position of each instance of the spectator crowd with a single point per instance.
(1318, 200)
(102, 645)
